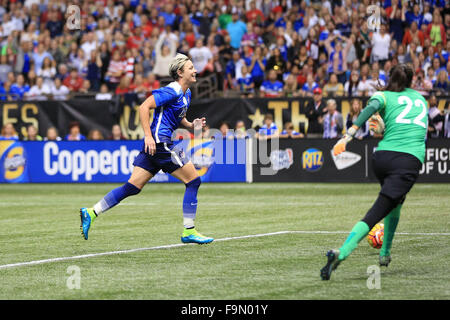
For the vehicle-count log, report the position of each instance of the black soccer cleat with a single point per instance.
(332, 264)
(385, 260)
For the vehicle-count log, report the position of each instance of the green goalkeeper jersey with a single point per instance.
(405, 116)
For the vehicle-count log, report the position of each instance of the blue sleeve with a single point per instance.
(164, 96)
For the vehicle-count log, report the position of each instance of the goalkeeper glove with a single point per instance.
(376, 124)
(339, 147)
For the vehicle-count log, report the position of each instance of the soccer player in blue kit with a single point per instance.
(170, 104)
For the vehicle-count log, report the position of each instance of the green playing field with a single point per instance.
(271, 241)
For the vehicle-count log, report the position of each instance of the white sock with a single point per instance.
(188, 223)
(100, 206)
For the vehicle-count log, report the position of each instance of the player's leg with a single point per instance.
(139, 177)
(397, 174)
(390, 225)
(188, 175)
(143, 171)
(380, 209)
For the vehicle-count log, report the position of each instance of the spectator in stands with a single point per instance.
(59, 91)
(202, 58)
(116, 133)
(414, 15)
(52, 135)
(74, 82)
(271, 88)
(332, 121)
(246, 84)
(239, 130)
(32, 134)
(277, 62)
(380, 45)
(411, 33)
(254, 15)
(39, 91)
(447, 121)
(289, 132)
(257, 66)
(333, 87)
(436, 30)
(39, 56)
(231, 69)
(315, 110)
(23, 57)
(152, 83)
(290, 88)
(116, 70)
(436, 119)
(129, 64)
(421, 84)
(54, 23)
(63, 72)
(95, 134)
(8, 132)
(338, 55)
(147, 61)
(309, 86)
(74, 132)
(442, 83)
(165, 50)
(86, 87)
(355, 109)
(397, 20)
(47, 72)
(236, 29)
(19, 88)
(351, 86)
(269, 129)
(224, 131)
(5, 68)
(104, 93)
(124, 86)
(56, 52)
(94, 70)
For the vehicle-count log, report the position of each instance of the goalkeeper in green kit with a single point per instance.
(396, 162)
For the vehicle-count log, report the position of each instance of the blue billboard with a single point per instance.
(112, 161)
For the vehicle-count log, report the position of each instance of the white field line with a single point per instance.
(91, 255)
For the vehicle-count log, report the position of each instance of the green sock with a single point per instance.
(390, 225)
(359, 231)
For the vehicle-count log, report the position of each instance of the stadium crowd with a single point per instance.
(259, 48)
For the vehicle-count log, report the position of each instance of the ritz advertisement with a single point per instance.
(110, 161)
(311, 160)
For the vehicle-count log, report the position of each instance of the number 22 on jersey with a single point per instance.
(404, 117)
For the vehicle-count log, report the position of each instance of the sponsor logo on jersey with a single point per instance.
(281, 159)
(345, 159)
(312, 159)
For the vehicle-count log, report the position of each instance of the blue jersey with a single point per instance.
(271, 89)
(266, 130)
(171, 107)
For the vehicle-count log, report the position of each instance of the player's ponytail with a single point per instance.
(400, 78)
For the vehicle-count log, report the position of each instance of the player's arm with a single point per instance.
(144, 115)
(197, 124)
(372, 107)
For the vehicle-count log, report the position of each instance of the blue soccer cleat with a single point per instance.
(192, 236)
(87, 216)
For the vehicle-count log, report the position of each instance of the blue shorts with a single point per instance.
(167, 158)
